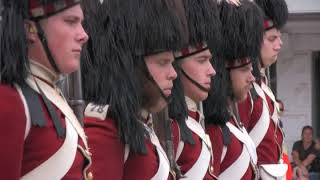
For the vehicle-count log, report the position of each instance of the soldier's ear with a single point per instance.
(31, 31)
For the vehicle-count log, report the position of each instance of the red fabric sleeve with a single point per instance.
(12, 130)
(175, 135)
(216, 138)
(142, 166)
(244, 108)
(256, 113)
(106, 148)
(190, 153)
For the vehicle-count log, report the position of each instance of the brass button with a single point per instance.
(90, 176)
(211, 169)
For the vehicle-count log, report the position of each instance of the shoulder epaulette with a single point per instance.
(96, 111)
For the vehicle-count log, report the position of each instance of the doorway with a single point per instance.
(316, 92)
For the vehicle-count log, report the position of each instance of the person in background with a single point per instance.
(304, 154)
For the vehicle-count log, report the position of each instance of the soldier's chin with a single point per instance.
(274, 59)
(157, 105)
(70, 66)
(242, 97)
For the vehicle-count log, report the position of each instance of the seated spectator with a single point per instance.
(304, 154)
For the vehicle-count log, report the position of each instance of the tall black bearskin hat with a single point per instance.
(152, 26)
(242, 31)
(202, 26)
(121, 33)
(275, 13)
(13, 58)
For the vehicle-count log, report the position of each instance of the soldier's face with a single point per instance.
(200, 69)
(161, 69)
(241, 80)
(65, 36)
(270, 47)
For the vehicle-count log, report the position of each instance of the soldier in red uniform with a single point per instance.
(233, 150)
(127, 75)
(193, 153)
(260, 111)
(41, 137)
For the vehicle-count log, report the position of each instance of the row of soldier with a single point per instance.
(146, 66)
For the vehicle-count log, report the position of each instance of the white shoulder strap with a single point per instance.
(57, 166)
(224, 152)
(164, 165)
(200, 167)
(243, 136)
(197, 128)
(260, 129)
(275, 114)
(26, 111)
(268, 91)
(251, 102)
(126, 152)
(180, 145)
(238, 168)
(61, 103)
(260, 92)
(276, 109)
(65, 154)
(179, 149)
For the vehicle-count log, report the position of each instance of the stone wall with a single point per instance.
(301, 37)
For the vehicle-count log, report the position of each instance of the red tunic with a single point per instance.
(245, 108)
(19, 156)
(108, 153)
(269, 149)
(190, 153)
(234, 150)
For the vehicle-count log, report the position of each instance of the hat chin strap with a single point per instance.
(150, 78)
(261, 63)
(167, 99)
(44, 42)
(193, 81)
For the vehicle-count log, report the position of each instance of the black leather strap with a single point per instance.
(226, 135)
(37, 112)
(44, 42)
(193, 81)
